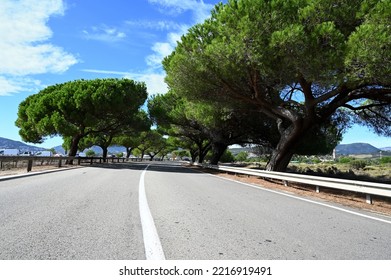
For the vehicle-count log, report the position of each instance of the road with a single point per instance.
(95, 213)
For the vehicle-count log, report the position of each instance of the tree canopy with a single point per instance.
(81, 108)
(301, 63)
(209, 125)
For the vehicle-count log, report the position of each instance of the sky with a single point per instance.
(54, 41)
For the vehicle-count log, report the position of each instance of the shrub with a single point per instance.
(227, 157)
(90, 153)
(385, 160)
(358, 164)
(345, 160)
(242, 156)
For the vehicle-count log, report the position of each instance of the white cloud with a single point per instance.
(163, 49)
(109, 72)
(153, 80)
(156, 25)
(154, 75)
(199, 9)
(23, 31)
(104, 33)
(9, 86)
(24, 45)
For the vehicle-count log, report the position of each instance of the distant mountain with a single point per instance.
(59, 150)
(356, 149)
(388, 149)
(22, 147)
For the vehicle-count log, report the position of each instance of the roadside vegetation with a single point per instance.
(345, 167)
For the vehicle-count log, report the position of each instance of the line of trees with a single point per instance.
(308, 68)
(290, 76)
(100, 112)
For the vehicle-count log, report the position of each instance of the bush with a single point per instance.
(358, 164)
(345, 160)
(242, 156)
(385, 160)
(227, 157)
(90, 153)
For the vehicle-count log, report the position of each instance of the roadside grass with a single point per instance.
(356, 169)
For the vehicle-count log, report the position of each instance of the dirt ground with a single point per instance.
(379, 204)
(23, 170)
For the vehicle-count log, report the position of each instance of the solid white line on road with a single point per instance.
(152, 245)
(308, 200)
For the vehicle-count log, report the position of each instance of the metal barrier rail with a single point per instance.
(368, 188)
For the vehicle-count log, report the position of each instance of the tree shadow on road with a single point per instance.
(159, 166)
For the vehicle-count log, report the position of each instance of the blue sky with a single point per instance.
(53, 41)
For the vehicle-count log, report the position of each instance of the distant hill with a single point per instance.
(342, 149)
(356, 149)
(22, 147)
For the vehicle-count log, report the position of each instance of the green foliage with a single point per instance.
(151, 142)
(241, 156)
(295, 62)
(79, 108)
(385, 160)
(358, 164)
(182, 153)
(208, 123)
(90, 153)
(345, 160)
(227, 157)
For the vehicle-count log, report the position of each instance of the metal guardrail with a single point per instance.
(368, 188)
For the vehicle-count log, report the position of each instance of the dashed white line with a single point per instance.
(152, 245)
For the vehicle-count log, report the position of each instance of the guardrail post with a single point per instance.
(317, 189)
(368, 199)
(29, 165)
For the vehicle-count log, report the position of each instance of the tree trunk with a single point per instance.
(74, 147)
(128, 152)
(202, 152)
(193, 156)
(218, 150)
(104, 155)
(282, 154)
(279, 161)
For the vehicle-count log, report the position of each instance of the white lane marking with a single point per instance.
(152, 245)
(308, 200)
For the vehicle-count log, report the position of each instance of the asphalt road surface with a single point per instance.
(101, 213)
